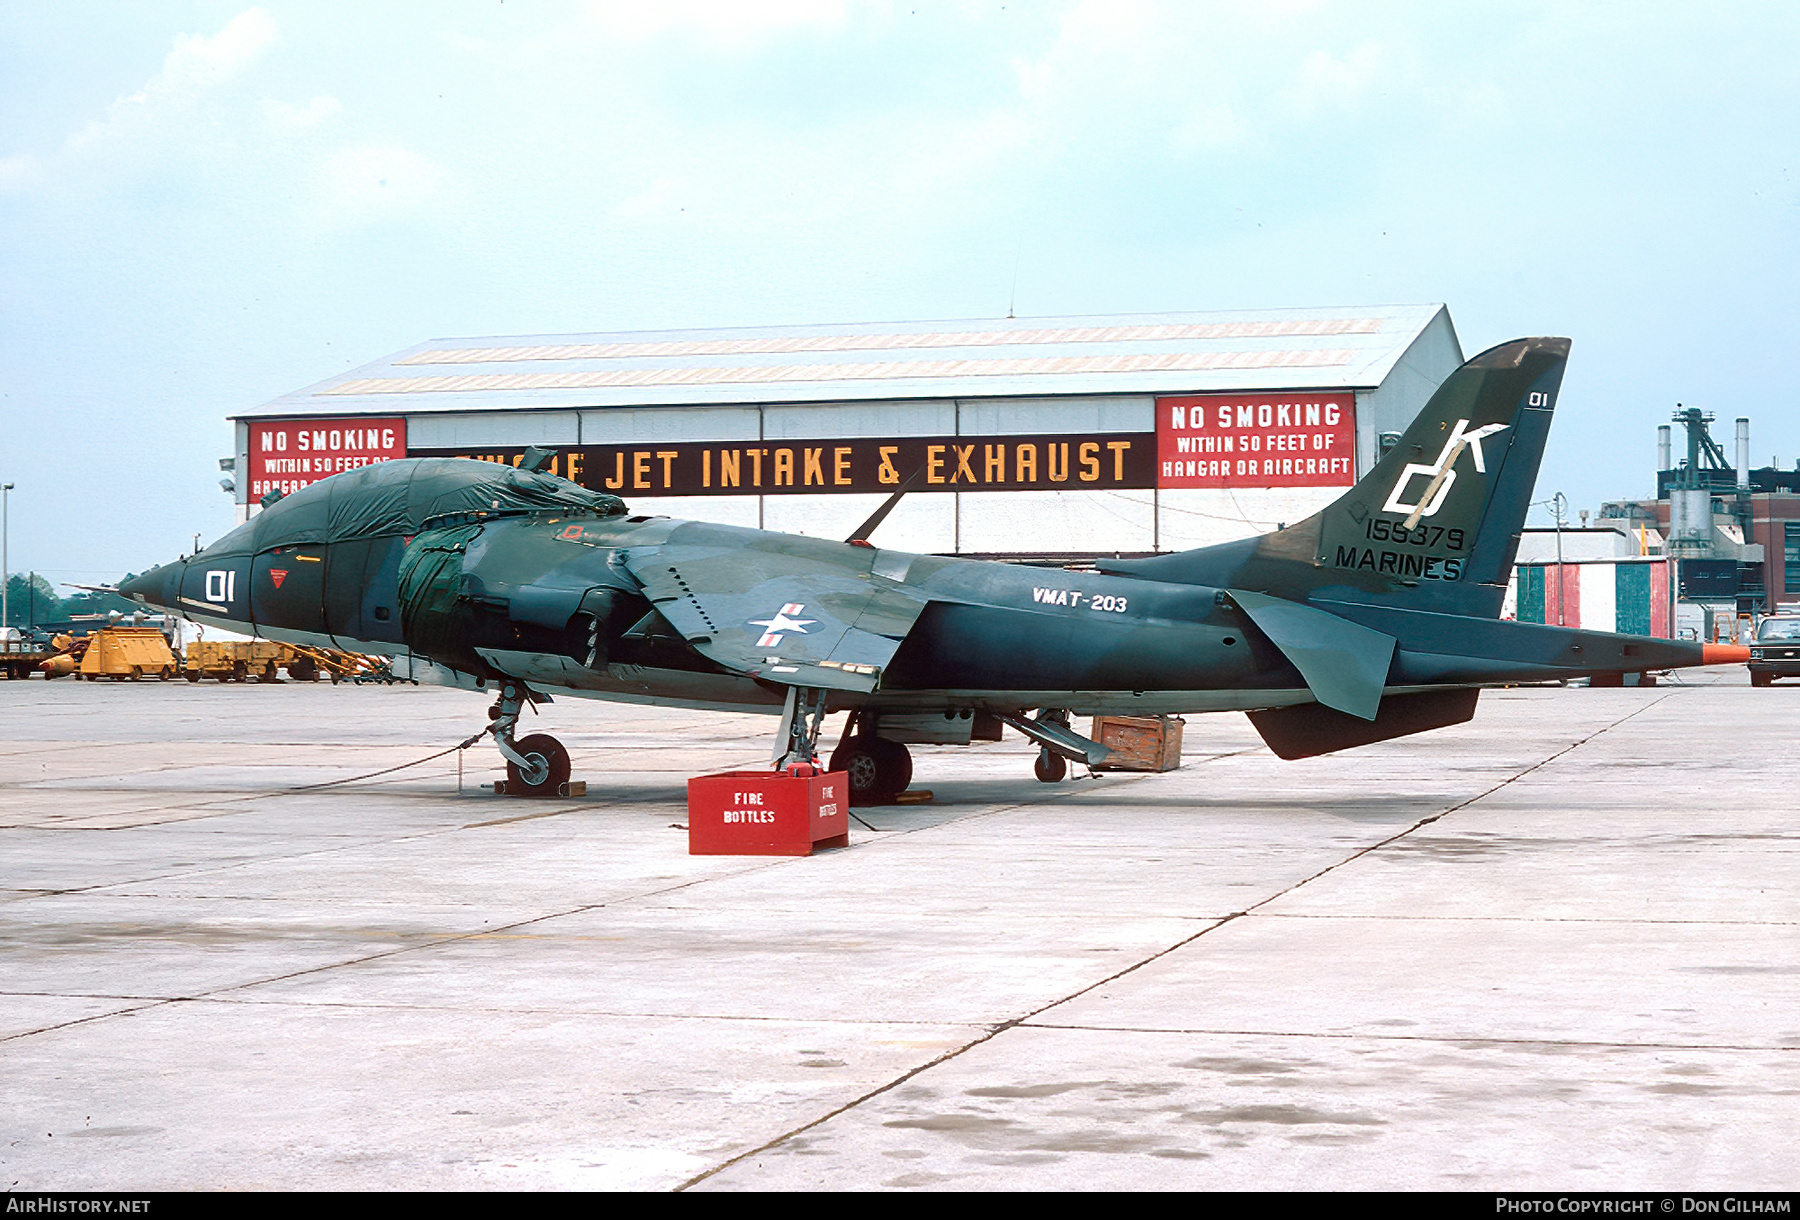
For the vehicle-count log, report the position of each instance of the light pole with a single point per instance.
(5, 525)
(1559, 504)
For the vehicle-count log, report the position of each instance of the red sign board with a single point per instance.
(290, 453)
(1293, 439)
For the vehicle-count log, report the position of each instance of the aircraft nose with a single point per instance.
(158, 587)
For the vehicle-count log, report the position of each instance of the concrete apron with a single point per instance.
(1553, 948)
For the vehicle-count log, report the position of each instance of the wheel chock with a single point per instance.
(574, 787)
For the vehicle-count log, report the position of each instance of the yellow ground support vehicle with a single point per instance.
(241, 660)
(235, 660)
(127, 652)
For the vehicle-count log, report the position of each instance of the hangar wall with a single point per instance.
(653, 417)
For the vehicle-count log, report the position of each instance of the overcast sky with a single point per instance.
(205, 205)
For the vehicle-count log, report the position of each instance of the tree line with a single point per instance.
(31, 599)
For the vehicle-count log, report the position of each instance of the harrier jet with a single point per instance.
(1375, 618)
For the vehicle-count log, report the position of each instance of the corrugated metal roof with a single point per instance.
(1135, 354)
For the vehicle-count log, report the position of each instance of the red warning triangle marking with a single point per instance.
(278, 575)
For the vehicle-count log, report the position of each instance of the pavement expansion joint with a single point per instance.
(1605, 1054)
(530, 817)
(1453, 1039)
(1464, 804)
(993, 1032)
(89, 1019)
(1531, 920)
(1029, 1018)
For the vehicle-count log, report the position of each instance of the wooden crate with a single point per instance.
(1139, 743)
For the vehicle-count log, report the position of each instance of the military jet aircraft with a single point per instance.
(1375, 618)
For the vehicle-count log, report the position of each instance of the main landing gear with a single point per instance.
(879, 769)
(537, 765)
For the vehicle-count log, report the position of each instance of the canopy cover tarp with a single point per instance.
(399, 497)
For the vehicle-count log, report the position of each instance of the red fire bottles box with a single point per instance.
(767, 813)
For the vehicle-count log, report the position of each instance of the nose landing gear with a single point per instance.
(537, 765)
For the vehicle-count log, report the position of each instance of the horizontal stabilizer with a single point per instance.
(1345, 664)
(1308, 729)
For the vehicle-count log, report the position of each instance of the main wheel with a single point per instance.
(879, 769)
(1050, 767)
(548, 758)
(1757, 679)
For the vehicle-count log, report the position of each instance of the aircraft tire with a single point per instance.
(879, 769)
(552, 752)
(1757, 679)
(1050, 767)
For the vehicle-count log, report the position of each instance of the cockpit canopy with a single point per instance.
(399, 497)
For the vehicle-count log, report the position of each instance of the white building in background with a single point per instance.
(1026, 436)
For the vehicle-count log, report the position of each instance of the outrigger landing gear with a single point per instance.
(1058, 743)
(879, 769)
(1051, 767)
(537, 765)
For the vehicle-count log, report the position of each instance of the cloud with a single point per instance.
(199, 63)
(1337, 81)
(287, 114)
(195, 67)
(722, 25)
(364, 183)
(20, 172)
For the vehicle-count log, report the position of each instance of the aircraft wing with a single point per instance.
(801, 612)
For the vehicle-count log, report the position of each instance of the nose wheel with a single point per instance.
(545, 768)
(537, 765)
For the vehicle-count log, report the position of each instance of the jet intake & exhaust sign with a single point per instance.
(1297, 439)
(1049, 462)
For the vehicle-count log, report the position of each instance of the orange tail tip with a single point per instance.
(1723, 654)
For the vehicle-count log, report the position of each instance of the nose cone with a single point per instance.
(158, 587)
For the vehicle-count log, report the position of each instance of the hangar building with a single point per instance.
(1054, 437)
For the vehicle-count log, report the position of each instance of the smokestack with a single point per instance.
(1743, 453)
(1664, 459)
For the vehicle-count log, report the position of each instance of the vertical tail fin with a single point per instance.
(1435, 525)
